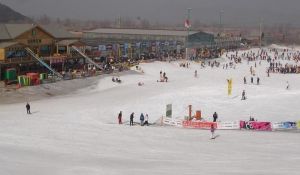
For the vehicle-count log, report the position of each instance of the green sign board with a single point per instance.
(169, 111)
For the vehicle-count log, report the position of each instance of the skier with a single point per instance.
(142, 118)
(131, 119)
(28, 108)
(287, 85)
(120, 117)
(215, 116)
(212, 130)
(244, 95)
(245, 80)
(146, 120)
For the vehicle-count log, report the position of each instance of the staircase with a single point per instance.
(43, 63)
(87, 58)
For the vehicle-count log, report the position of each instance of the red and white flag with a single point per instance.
(187, 24)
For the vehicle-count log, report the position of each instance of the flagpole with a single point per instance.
(188, 32)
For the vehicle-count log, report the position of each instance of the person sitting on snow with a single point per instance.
(118, 80)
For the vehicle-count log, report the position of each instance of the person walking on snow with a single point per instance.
(28, 108)
(245, 80)
(120, 118)
(257, 80)
(131, 119)
(146, 120)
(244, 95)
(196, 75)
(142, 118)
(215, 116)
(287, 85)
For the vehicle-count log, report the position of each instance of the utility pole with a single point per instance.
(220, 28)
(188, 32)
(260, 32)
(119, 22)
(221, 24)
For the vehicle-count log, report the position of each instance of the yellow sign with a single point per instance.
(120, 51)
(298, 124)
(229, 86)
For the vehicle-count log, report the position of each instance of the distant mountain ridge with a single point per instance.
(8, 15)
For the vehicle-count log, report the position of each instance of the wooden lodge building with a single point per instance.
(52, 44)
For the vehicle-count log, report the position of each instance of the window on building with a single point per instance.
(33, 32)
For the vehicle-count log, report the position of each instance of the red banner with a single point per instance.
(198, 124)
(253, 125)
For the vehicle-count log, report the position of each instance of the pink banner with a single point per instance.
(198, 124)
(253, 125)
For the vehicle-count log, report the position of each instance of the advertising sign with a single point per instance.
(253, 125)
(198, 124)
(102, 48)
(298, 124)
(228, 125)
(172, 122)
(284, 125)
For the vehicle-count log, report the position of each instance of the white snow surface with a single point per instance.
(78, 134)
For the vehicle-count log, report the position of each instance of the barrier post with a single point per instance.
(190, 112)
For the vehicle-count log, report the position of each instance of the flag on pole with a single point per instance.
(187, 24)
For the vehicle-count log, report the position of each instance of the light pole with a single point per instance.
(220, 28)
(188, 25)
(260, 32)
(221, 25)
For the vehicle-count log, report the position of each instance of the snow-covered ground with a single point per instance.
(78, 133)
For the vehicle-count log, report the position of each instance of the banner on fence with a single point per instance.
(298, 124)
(253, 125)
(198, 124)
(228, 125)
(172, 122)
(284, 125)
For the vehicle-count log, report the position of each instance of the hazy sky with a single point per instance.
(207, 11)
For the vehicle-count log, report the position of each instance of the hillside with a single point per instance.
(8, 15)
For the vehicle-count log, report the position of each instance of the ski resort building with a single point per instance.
(134, 42)
(21, 44)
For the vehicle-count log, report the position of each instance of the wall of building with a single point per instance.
(38, 40)
(2, 54)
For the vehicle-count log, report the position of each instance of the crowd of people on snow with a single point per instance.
(144, 119)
